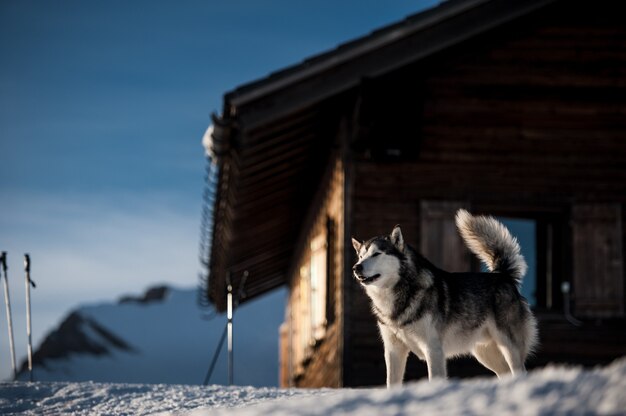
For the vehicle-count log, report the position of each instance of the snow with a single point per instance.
(552, 390)
(85, 398)
(207, 141)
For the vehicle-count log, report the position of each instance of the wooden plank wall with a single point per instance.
(528, 119)
(320, 364)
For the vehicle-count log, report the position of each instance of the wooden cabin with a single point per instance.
(515, 109)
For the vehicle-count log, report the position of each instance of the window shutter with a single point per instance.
(598, 277)
(440, 241)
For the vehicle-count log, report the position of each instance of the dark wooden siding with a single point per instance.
(527, 120)
(320, 364)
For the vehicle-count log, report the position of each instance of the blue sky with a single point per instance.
(103, 105)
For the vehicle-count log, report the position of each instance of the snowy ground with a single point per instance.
(553, 390)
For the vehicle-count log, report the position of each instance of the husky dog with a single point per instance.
(436, 314)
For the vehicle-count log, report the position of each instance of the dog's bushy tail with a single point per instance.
(492, 243)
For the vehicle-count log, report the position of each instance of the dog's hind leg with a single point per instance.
(490, 356)
(511, 332)
(512, 354)
(513, 358)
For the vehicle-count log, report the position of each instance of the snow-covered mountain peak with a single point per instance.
(161, 336)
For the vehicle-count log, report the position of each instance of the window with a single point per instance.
(318, 286)
(305, 307)
(311, 307)
(541, 238)
(309, 303)
(525, 231)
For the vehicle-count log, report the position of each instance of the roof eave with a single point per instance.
(451, 10)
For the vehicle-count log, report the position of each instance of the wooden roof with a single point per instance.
(274, 136)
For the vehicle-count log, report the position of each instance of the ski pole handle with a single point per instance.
(3, 260)
(27, 270)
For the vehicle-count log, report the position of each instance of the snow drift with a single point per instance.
(552, 390)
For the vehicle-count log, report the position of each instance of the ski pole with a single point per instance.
(215, 355)
(231, 305)
(28, 321)
(227, 330)
(7, 301)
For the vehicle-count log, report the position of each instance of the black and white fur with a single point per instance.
(435, 314)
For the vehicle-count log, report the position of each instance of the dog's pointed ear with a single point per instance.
(356, 244)
(396, 238)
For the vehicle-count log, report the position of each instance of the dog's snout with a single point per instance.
(358, 268)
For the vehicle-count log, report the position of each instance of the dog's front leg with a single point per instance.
(435, 359)
(395, 360)
(426, 344)
(396, 354)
